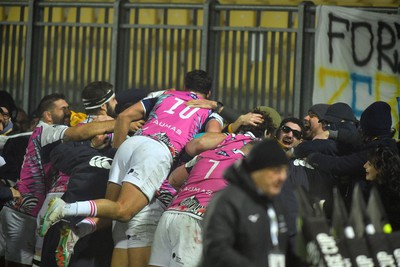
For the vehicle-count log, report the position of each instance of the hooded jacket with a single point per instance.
(236, 227)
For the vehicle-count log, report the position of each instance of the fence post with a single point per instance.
(114, 44)
(27, 93)
(205, 35)
(213, 49)
(304, 71)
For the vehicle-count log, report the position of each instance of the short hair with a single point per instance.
(47, 102)
(198, 81)
(96, 89)
(259, 129)
(292, 120)
(96, 94)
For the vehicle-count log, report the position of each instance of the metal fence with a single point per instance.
(257, 55)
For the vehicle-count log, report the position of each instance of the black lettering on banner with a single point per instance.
(331, 35)
(397, 26)
(391, 60)
(355, 27)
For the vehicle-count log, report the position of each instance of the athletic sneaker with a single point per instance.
(53, 214)
(65, 247)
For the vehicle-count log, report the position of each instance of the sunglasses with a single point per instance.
(296, 134)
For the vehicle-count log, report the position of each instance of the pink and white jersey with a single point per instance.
(206, 176)
(37, 174)
(172, 122)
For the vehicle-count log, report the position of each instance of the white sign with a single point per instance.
(357, 58)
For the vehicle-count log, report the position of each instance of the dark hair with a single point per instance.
(7, 101)
(259, 129)
(387, 163)
(47, 102)
(96, 89)
(293, 120)
(198, 81)
(95, 94)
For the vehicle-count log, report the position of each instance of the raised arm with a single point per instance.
(245, 119)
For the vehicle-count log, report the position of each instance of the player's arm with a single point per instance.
(245, 119)
(228, 114)
(213, 126)
(88, 130)
(178, 177)
(205, 142)
(122, 123)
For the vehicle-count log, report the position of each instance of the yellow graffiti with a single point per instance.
(382, 78)
(337, 74)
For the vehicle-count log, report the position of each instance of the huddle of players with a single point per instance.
(148, 228)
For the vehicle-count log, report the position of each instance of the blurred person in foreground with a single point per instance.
(244, 224)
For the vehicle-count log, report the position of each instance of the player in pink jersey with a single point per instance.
(141, 164)
(18, 218)
(99, 101)
(177, 240)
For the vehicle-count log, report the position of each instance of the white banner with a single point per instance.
(357, 58)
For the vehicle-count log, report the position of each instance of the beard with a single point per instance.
(111, 111)
(61, 120)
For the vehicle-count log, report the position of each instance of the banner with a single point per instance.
(357, 58)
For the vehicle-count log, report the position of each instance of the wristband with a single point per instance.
(230, 128)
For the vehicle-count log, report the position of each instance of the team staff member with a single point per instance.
(244, 224)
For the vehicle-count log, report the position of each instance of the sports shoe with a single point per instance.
(65, 247)
(53, 214)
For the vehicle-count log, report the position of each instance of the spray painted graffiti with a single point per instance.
(357, 58)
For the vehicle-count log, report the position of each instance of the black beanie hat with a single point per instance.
(319, 110)
(338, 112)
(267, 153)
(376, 120)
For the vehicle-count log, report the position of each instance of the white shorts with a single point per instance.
(139, 231)
(119, 234)
(177, 241)
(141, 161)
(19, 233)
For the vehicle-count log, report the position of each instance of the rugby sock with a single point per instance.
(81, 208)
(85, 227)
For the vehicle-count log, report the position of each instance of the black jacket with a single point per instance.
(13, 153)
(88, 169)
(5, 193)
(236, 228)
(348, 165)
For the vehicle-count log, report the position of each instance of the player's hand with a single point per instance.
(136, 125)
(250, 119)
(100, 141)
